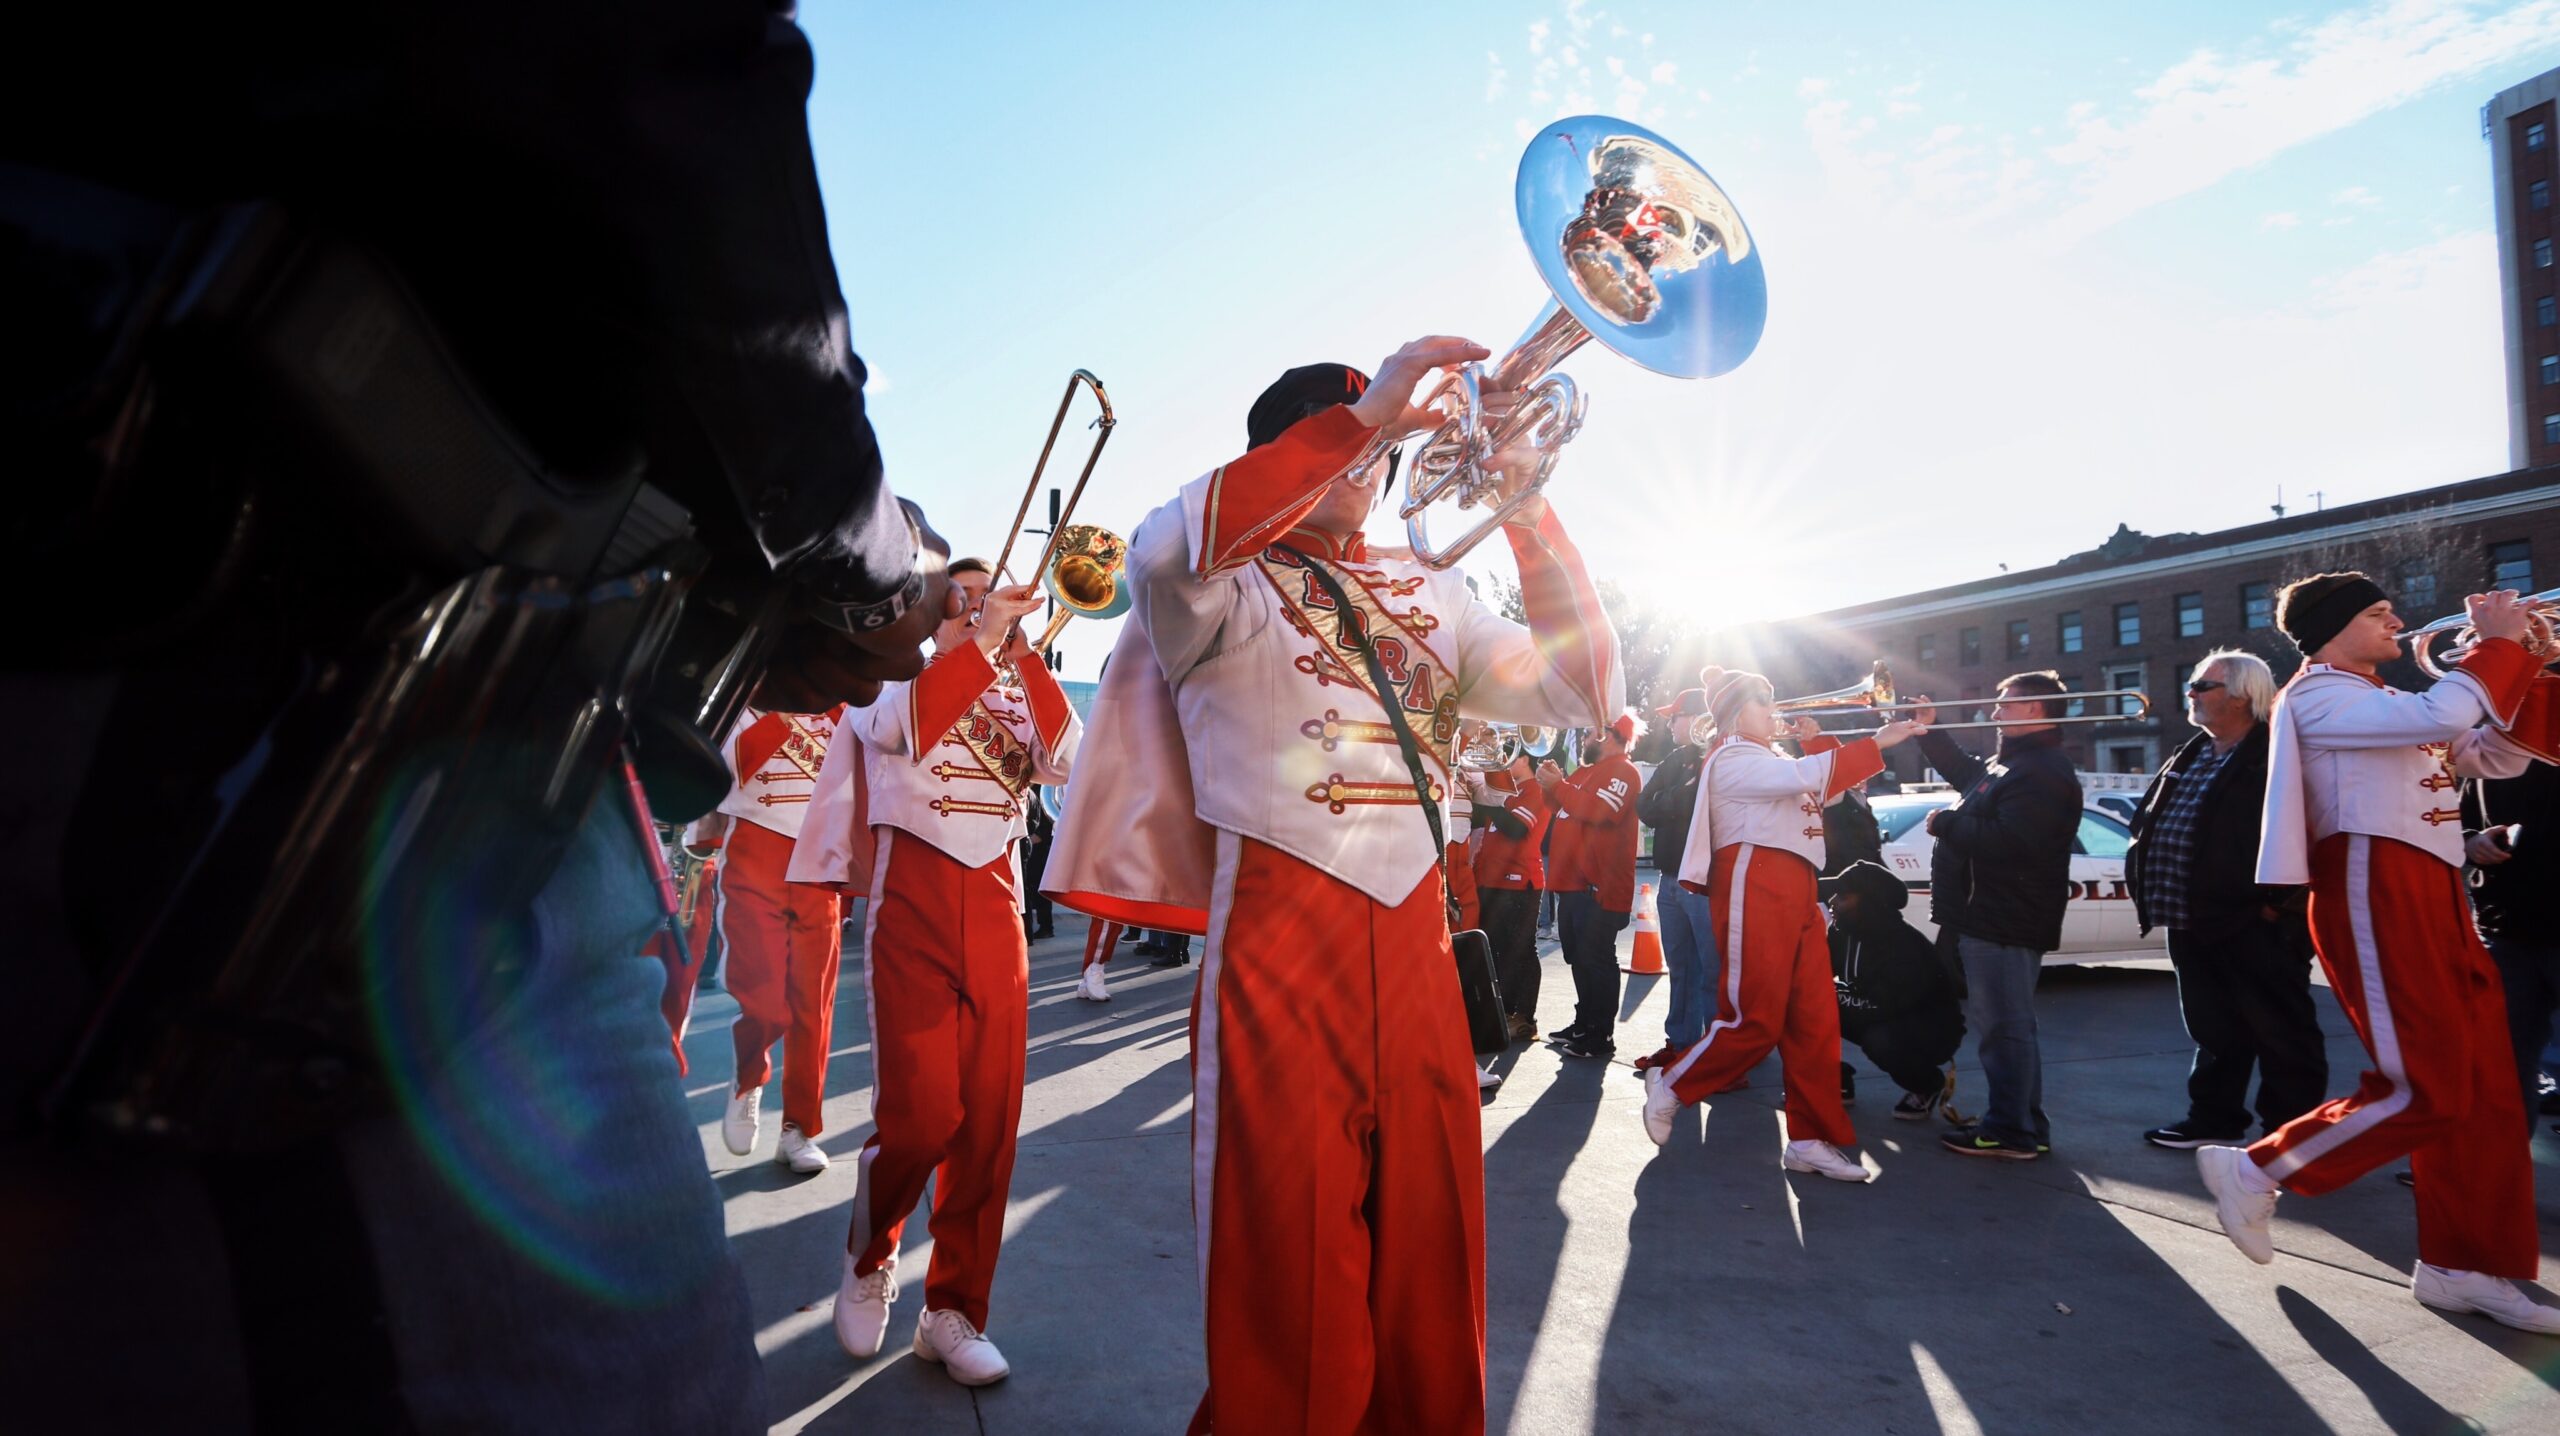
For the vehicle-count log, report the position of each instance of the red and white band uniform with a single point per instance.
(2362, 804)
(1337, 1160)
(1755, 849)
(1101, 940)
(783, 940)
(950, 760)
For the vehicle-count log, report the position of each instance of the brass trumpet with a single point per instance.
(1500, 745)
(1639, 249)
(2542, 635)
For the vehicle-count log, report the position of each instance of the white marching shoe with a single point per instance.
(738, 1124)
(2494, 1297)
(1661, 1105)
(2245, 1210)
(799, 1152)
(948, 1340)
(1487, 1079)
(1091, 987)
(1823, 1159)
(862, 1308)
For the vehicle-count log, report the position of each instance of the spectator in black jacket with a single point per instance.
(1668, 802)
(1999, 875)
(2243, 952)
(2511, 835)
(1896, 1003)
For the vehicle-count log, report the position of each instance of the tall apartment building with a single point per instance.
(2139, 610)
(2524, 134)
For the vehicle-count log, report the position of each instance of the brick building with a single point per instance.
(2139, 610)
(2523, 132)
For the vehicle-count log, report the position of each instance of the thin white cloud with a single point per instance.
(2211, 115)
(2356, 195)
(1496, 78)
(2281, 219)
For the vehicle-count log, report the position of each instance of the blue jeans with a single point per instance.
(1696, 963)
(2000, 1006)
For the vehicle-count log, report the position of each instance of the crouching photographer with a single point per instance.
(1896, 1001)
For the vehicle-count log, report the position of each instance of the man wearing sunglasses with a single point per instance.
(2241, 949)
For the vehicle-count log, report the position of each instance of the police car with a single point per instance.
(2097, 923)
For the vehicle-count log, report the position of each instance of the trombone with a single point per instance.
(1875, 694)
(2542, 635)
(1081, 564)
(2141, 711)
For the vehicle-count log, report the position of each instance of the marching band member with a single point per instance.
(1595, 886)
(1513, 811)
(1460, 828)
(784, 940)
(949, 760)
(1101, 939)
(1337, 1162)
(2361, 805)
(1755, 849)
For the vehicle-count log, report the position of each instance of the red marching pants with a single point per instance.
(948, 978)
(1462, 887)
(1337, 1158)
(1777, 992)
(784, 941)
(2394, 934)
(1101, 939)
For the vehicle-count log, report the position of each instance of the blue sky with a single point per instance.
(2034, 270)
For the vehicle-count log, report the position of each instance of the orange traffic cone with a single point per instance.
(1647, 957)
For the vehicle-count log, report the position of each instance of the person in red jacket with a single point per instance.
(1594, 878)
(1514, 812)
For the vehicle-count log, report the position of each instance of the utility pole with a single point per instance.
(2278, 505)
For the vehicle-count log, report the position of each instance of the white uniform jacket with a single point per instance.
(1751, 793)
(775, 759)
(2350, 754)
(1275, 725)
(959, 783)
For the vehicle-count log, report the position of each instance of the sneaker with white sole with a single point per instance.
(862, 1308)
(1487, 1079)
(2494, 1297)
(2245, 1211)
(799, 1152)
(1824, 1159)
(1661, 1105)
(1091, 986)
(738, 1124)
(946, 1339)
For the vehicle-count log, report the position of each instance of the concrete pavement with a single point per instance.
(1632, 1290)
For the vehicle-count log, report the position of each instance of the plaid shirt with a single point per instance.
(2172, 839)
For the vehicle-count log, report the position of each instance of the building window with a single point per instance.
(2191, 615)
(2542, 254)
(2417, 590)
(2067, 640)
(2551, 368)
(2257, 606)
(1925, 648)
(2129, 677)
(1969, 648)
(2017, 638)
(2551, 428)
(2546, 311)
(2128, 624)
(2511, 565)
(2537, 195)
(2536, 135)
